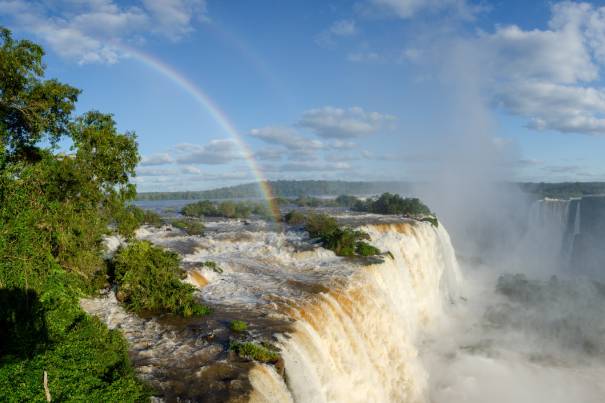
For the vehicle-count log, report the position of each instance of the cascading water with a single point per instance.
(544, 242)
(400, 328)
(357, 343)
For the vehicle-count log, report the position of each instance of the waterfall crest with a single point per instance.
(357, 343)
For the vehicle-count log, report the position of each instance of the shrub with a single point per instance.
(295, 217)
(433, 220)
(320, 225)
(191, 227)
(389, 203)
(342, 241)
(347, 201)
(203, 208)
(255, 351)
(365, 249)
(148, 280)
(227, 209)
(238, 326)
(54, 210)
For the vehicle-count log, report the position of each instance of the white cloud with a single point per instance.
(343, 28)
(174, 18)
(191, 170)
(340, 28)
(95, 31)
(313, 166)
(365, 57)
(341, 145)
(410, 8)
(339, 123)
(217, 152)
(287, 137)
(269, 154)
(549, 76)
(156, 159)
(155, 172)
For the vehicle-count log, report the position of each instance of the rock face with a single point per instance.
(186, 361)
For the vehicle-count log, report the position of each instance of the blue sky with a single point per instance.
(357, 90)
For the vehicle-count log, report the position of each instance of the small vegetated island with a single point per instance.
(343, 241)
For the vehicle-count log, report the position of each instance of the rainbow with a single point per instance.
(216, 113)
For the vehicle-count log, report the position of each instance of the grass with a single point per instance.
(238, 326)
(255, 351)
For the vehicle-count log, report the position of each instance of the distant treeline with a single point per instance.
(564, 190)
(284, 188)
(293, 189)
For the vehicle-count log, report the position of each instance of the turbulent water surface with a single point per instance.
(405, 327)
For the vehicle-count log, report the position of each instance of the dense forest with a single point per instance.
(57, 203)
(564, 190)
(284, 188)
(292, 188)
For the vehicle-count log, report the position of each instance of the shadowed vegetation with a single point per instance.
(55, 208)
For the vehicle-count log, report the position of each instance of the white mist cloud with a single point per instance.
(156, 159)
(550, 76)
(285, 136)
(92, 31)
(216, 152)
(411, 8)
(339, 123)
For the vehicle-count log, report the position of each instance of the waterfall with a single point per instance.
(357, 343)
(546, 243)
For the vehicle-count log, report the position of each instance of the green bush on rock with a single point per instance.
(148, 280)
(191, 227)
(238, 326)
(254, 351)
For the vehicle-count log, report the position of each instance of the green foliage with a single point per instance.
(238, 326)
(191, 227)
(148, 280)
(54, 210)
(320, 225)
(283, 189)
(132, 217)
(389, 203)
(226, 209)
(295, 217)
(431, 219)
(255, 351)
(564, 190)
(31, 109)
(346, 201)
(144, 216)
(342, 241)
(49, 332)
(365, 249)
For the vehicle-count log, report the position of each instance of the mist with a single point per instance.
(530, 328)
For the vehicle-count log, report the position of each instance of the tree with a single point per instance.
(54, 209)
(31, 109)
